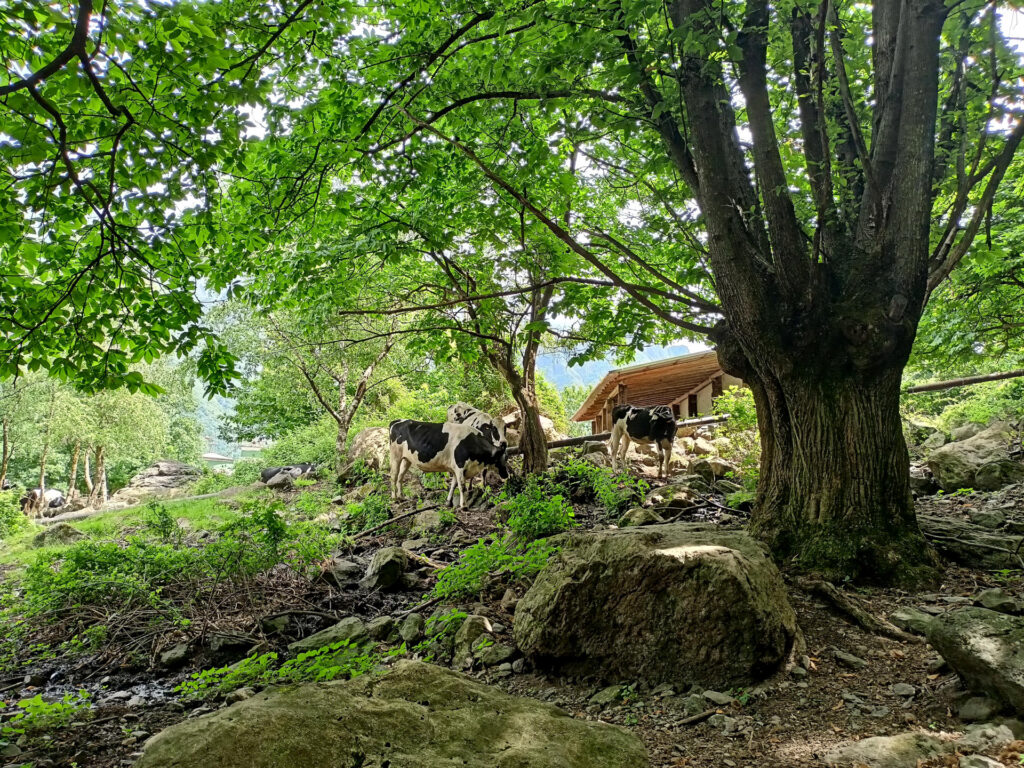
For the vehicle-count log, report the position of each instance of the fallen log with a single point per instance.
(963, 382)
(569, 441)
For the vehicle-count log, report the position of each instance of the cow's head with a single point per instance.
(500, 462)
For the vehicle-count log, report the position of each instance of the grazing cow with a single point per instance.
(458, 449)
(295, 471)
(52, 499)
(643, 425)
(488, 426)
(491, 428)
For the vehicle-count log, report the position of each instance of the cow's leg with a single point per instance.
(665, 454)
(451, 491)
(623, 449)
(403, 465)
(616, 436)
(396, 464)
(459, 474)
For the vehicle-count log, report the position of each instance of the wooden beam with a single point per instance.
(607, 435)
(966, 381)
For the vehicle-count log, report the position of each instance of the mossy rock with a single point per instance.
(417, 716)
(678, 603)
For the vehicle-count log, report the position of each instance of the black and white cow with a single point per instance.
(52, 499)
(491, 428)
(643, 425)
(459, 449)
(295, 471)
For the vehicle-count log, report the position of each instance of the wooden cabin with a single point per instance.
(688, 383)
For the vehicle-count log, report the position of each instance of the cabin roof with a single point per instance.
(661, 382)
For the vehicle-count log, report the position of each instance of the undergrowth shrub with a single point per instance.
(372, 510)
(342, 659)
(741, 429)
(501, 556)
(536, 512)
(35, 716)
(12, 519)
(586, 482)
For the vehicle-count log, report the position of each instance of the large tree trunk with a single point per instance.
(834, 487)
(87, 474)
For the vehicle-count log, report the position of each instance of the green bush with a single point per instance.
(165, 575)
(372, 510)
(536, 512)
(312, 444)
(502, 557)
(586, 482)
(36, 716)
(341, 659)
(12, 519)
(741, 430)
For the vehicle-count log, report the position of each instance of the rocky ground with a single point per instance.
(842, 682)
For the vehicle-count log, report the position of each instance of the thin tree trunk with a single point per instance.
(88, 472)
(532, 442)
(98, 492)
(5, 451)
(40, 503)
(73, 478)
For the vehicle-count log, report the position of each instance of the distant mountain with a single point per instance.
(555, 365)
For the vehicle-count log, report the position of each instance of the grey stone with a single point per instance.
(416, 716)
(411, 628)
(694, 704)
(849, 660)
(987, 518)
(341, 572)
(413, 544)
(722, 699)
(933, 441)
(280, 480)
(240, 694)
(426, 522)
(899, 751)
(980, 462)
(607, 696)
(978, 709)
(903, 689)
(712, 468)
(351, 629)
(984, 737)
(56, 535)
(966, 431)
(519, 666)
(276, 624)
(372, 447)
(911, 620)
(472, 629)
(380, 628)
(986, 649)
(640, 516)
(494, 655)
(386, 568)
(978, 761)
(996, 599)
(678, 603)
(968, 544)
(175, 656)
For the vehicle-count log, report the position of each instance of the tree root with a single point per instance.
(860, 617)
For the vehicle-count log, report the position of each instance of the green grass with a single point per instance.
(202, 515)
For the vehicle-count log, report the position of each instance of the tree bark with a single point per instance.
(532, 442)
(76, 452)
(834, 487)
(98, 493)
(5, 451)
(88, 472)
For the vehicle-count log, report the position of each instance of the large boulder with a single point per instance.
(899, 751)
(981, 462)
(372, 446)
(58, 534)
(163, 479)
(417, 716)
(678, 603)
(986, 649)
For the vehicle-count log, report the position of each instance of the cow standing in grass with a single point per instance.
(643, 425)
(458, 449)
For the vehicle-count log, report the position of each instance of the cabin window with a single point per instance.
(716, 386)
(691, 405)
